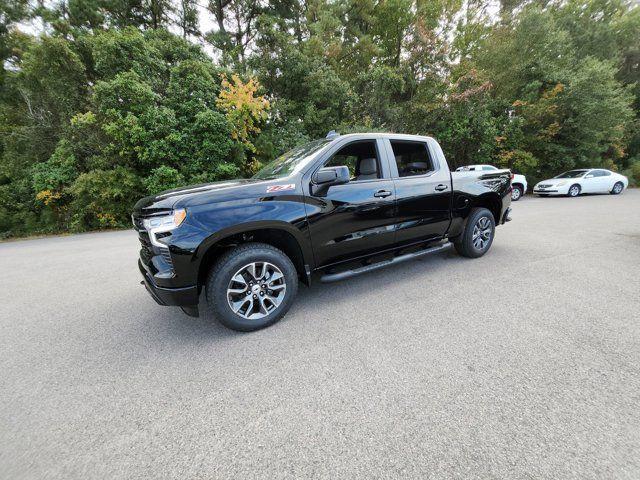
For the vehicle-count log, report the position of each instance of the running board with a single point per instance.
(334, 277)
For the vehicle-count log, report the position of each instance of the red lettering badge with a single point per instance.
(280, 188)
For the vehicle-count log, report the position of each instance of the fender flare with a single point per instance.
(495, 205)
(303, 241)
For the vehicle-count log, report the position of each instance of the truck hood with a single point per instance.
(168, 199)
(555, 181)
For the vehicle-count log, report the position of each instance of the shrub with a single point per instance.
(104, 198)
(163, 178)
(57, 172)
(633, 173)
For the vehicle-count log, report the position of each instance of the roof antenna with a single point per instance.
(332, 134)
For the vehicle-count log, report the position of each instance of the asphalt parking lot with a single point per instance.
(522, 364)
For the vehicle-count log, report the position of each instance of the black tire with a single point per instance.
(516, 193)
(464, 244)
(574, 190)
(229, 265)
(617, 189)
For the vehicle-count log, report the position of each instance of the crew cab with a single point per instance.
(518, 182)
(332, 208)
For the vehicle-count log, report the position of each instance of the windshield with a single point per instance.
(572, 174)
(289, 162)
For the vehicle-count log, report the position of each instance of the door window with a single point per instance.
(361, 158)
(412, 158)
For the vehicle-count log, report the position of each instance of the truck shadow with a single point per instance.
(310, 299)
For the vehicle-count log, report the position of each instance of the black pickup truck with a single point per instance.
(332, 208)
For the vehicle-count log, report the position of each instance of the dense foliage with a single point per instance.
(105, 101)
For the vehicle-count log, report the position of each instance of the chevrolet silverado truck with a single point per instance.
(332, 208)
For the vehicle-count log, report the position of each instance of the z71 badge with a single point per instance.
(281, 188)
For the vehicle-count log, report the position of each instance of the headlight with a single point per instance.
(559, 184)
(165, 223)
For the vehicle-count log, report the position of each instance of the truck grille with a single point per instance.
(166, 255)
(146, 250)
(137, 223)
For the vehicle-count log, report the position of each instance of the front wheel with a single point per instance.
(574, 190)
(251, 286)
(478, 235)
(617, 188)
(516, 193)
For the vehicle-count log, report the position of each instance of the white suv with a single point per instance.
(518, 182)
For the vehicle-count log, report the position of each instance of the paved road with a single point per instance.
(522, 364)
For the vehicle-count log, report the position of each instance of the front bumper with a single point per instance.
(182, 297)
(552, 190)
(547, 192)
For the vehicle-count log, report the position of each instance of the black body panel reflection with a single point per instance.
(351, 221)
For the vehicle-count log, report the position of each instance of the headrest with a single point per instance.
(368, 166)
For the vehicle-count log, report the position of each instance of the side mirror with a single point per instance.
(332, 176)
(328, 176)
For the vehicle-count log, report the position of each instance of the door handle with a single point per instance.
(441, 188)
(382, 193)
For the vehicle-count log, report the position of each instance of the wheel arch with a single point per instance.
(281, 235)
(492, 202)
(572, 184)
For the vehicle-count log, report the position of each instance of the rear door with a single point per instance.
(423, 189)
(356, 218)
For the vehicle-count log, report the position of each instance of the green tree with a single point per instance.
(108, 103)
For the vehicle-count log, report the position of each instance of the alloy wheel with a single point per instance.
(256, 290)
(515, 194)
(617, 188)
(482, 233)
(574, 191)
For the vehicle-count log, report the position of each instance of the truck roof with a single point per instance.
(398, 136)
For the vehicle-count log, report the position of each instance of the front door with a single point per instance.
(601, 181)
(356, 218)
(589, 183)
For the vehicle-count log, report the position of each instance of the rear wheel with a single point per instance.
(617, 188)
(478, 234)
(516, 193)
(251, 287)
(574, 190)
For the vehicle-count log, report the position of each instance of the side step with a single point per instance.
(334, 277)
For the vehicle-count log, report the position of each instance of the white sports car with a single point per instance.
(575, 182)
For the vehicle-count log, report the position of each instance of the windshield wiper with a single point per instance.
(271, 177)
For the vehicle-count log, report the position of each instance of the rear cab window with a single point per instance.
(412, 158)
